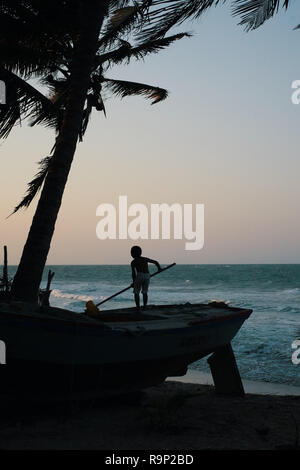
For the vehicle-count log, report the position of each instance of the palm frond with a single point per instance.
(168, 13)
(23, 99)
(115, 55)
(28, 47)
(113, 4)
(254, 13)
(153, 47)
(126, 52)
(41, 115)
(124, 88)
(27, 61)
(123, 20)
(35, 185)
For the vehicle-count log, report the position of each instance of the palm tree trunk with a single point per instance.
(30, 270)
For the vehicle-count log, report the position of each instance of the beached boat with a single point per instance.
(58, 353)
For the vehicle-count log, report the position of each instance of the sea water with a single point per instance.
(262, 346)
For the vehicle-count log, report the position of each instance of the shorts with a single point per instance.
(141, 282)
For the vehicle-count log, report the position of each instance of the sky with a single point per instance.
(226, 137)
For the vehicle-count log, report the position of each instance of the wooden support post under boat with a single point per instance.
(225, 372)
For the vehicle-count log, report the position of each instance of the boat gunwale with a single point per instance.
(235, 312)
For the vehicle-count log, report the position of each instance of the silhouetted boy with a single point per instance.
(141, 275)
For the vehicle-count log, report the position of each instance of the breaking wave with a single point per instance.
(63, 295)
(291, 291)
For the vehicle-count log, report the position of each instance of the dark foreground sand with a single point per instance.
(172, 416)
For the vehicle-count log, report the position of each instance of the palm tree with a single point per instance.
(27, 280)
(70, 45)
(72, 62)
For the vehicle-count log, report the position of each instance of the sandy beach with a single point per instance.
(172, 416)
(250, 386)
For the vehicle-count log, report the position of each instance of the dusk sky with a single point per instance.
(227, 137)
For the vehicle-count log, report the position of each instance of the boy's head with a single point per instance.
(136, 251)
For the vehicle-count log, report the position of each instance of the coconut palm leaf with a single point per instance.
(35, 185)
(168, 13)
(127, 52)
(28, 61)
(123, 20)
(23, 100)
(254, 13)
(124, 88)
(118, 4)
(31, 45)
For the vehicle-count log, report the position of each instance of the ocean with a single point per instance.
(263, 346)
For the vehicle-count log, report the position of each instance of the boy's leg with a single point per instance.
(137, 300)
(145, 288)
(136, 290)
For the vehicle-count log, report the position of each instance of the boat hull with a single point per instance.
(61, 359)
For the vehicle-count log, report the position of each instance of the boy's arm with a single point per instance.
(153, 261)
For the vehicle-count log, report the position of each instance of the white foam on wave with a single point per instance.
(64, 295)
(227, 302)
(291, 291)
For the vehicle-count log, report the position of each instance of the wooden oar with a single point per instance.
(92, 309)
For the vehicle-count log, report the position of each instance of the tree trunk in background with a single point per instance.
(29, 274)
